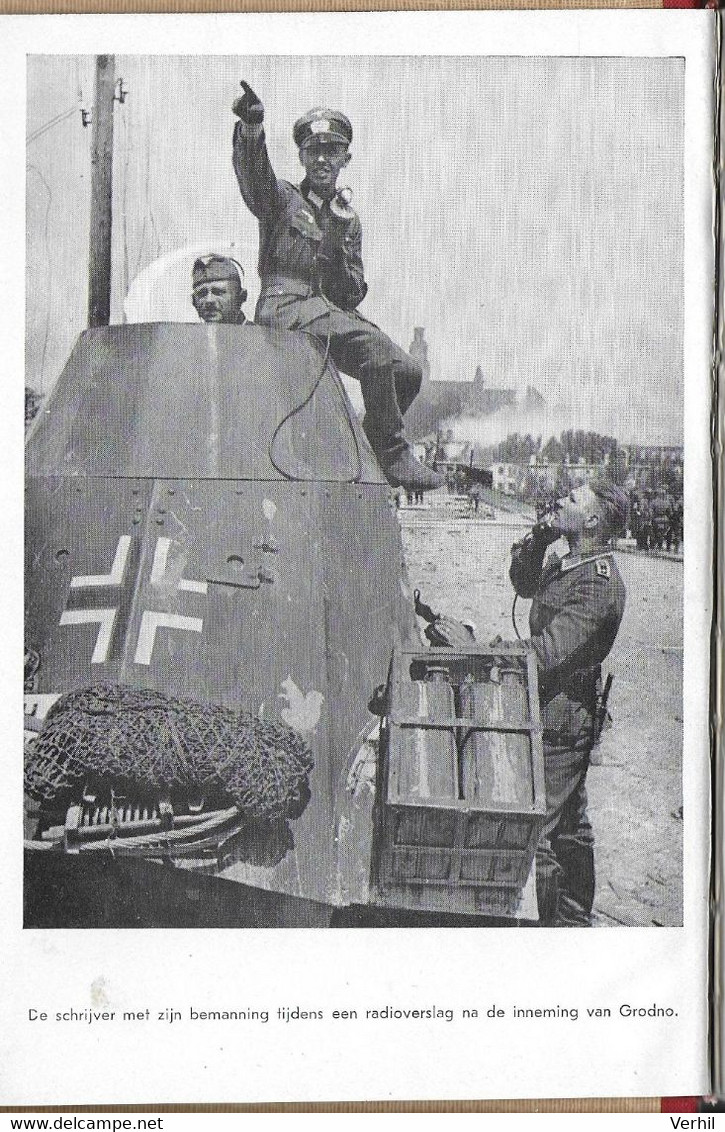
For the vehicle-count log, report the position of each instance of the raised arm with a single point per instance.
(527, 561)
(259, 187)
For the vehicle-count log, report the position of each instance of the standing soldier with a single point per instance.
(635, 518)
(674, 530)
(311, 273)
(577, 608)
(645, 521)
(660, 520)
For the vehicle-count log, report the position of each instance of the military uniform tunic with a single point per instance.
(307, 256)
(577, 608)
(312, 276)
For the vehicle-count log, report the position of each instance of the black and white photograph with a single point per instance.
(365, 529)
(236, 570)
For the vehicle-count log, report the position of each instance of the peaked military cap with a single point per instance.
(322, 124)
(215, 269)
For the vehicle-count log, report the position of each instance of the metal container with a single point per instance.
(470, 848)
(426, 760)
(496, 766)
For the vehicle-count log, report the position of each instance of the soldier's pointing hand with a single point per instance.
(248, 106)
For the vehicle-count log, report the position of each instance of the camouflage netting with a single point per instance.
(135, 739)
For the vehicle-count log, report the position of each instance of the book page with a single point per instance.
(517, 260)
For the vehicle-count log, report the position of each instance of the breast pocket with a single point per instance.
(306, 225)
(297, 243)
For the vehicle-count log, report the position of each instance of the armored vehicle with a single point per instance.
(214, 570)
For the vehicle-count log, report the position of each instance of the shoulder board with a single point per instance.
(602, 564)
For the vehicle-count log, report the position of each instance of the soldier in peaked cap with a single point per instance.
(217, 289)
(577, 607)
(324, 126)
(311, 271)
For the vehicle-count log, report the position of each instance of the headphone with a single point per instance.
(240, 276)
(340, 204)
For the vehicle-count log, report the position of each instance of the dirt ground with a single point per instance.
(460, 565)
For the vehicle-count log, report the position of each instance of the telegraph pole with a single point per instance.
(99, 257)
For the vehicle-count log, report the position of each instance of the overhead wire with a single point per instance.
(50, 124)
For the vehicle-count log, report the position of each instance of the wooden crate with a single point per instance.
(468, 822)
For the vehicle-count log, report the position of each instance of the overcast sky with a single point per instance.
(527, 212)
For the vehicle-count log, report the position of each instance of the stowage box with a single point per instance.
(461, 799)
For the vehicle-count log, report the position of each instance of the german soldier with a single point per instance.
(217, 289)
(311, 272)
(577, 608)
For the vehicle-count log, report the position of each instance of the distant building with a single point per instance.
(439, 401)
(656, 466)
(533, 399)
(418, 349)
(482, 399)
(547, 473)
(654, 454)
(506, 477)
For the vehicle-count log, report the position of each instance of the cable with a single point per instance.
(513, 617)
(49, 125)
(298, 408)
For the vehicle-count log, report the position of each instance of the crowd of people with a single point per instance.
(656, 520)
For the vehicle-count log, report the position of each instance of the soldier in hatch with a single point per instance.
(217, 289)
(312, 279)
(576, 611)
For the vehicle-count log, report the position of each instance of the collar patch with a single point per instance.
(603, 567)
(314, 199)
